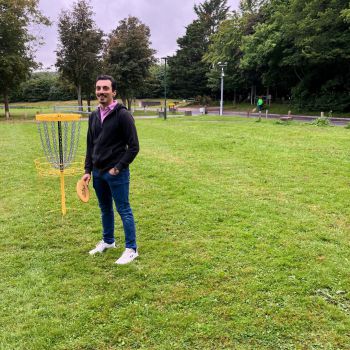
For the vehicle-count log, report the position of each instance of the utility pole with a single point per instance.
(222, 65)
(165, 82)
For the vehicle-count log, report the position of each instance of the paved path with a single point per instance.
(215, 111)
(302, 118)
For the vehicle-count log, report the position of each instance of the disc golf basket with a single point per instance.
(59, 136)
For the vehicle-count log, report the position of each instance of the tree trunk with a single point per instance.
(267, 95)
(6, 103)
(129, 103)
(235, 96)
(89, 104)
(123, 98)
(251, 94)
(80, 101)
(254, 100)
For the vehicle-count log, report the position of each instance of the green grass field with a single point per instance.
(243, 232)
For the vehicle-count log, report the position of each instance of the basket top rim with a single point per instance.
(57, 117)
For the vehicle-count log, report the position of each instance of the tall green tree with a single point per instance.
(225, 47)
(258, 46)
(16, 50)
(128, 57)
(210, 14)
(153, 86)
(80, 48)
(251, 6)
(187, 71)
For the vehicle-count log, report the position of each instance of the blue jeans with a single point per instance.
(115, 187)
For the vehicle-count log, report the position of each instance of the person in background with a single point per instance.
(260, 104)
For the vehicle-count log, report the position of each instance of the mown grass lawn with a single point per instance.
(243, 232)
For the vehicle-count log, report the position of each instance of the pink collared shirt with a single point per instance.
(105, 111)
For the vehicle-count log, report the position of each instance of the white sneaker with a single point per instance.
(128, 256)
(101, 247)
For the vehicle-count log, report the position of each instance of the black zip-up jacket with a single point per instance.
(113, 143)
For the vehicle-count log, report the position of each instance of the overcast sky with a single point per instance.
(167, 20)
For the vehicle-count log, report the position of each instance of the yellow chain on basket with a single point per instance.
(45, 169)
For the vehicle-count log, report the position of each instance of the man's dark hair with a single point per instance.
(108, 77)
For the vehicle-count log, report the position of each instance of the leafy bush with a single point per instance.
(44, 86)
(321, 121)
(329, 97)
(203, 100)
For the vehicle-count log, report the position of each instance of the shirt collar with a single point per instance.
(109, 107)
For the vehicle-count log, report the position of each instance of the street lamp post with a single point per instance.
(222, 65)
(165, 82)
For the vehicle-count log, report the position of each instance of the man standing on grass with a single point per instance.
(112, 144)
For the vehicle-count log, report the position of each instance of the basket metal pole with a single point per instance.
(63, 196)
(60, 148)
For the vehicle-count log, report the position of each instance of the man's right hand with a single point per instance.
(86, 178)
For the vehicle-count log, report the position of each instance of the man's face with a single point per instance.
(104, 92)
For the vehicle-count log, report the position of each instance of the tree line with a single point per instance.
(296, 50)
